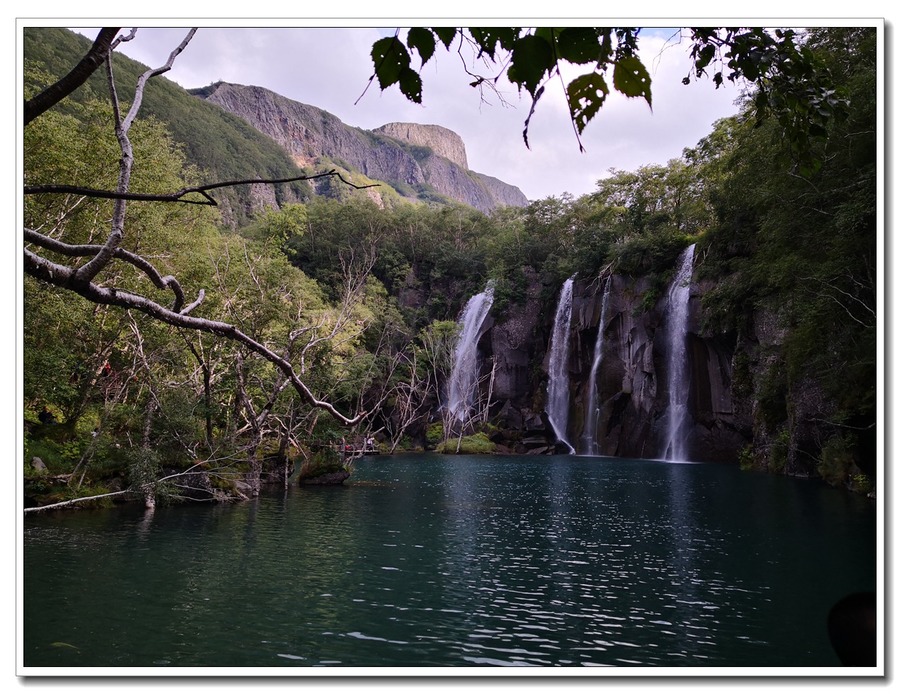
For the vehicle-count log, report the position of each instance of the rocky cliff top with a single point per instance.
(419, 161)
(440, 140)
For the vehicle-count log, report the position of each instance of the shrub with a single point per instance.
(434, 434)
(836, 460)
(476, 444)
(746, 459)
(860, 482)
(778, 453)
(322, 462)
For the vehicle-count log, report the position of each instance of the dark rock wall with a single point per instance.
(632, 390)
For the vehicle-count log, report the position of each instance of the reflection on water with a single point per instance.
(433, 561)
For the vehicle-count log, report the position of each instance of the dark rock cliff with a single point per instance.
(742, 404)
(631, 381)
(417, 160)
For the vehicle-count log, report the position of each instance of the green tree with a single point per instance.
(282, 333)
(802, 246)
(85, 280)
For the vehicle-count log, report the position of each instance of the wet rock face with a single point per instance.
(411, 157)
(514, 345)
(638, 355)
(631, 380)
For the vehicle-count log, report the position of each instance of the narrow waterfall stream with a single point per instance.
(558, 383)
(590, 445)
(464, 375)
(677, 367)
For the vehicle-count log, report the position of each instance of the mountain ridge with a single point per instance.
(421, 162)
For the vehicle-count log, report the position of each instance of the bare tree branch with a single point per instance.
(839, 302)
(81, 279)
(82, 250)
(77, 76)
(72, 502)
(89, 270)
(65, 277)
(178, 196)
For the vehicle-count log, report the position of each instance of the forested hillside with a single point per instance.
(363, 301)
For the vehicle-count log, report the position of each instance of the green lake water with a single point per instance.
(425, 560)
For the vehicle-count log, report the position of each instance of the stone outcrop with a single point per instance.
(329, 478)
(440, 140)
(419, 161)
(502, 193)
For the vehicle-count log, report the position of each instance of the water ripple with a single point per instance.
(443, 561)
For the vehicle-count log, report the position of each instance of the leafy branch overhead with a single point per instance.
(789, 82)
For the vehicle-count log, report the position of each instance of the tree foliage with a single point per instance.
(790, 81)
(804, 246)
(99, 241)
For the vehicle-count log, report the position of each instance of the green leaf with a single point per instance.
(707, 53)
(817, 130)
(423, 41)
(548, 34)
(411, 85)
(761, 102)
(532, 58)
(631, 78)
(487, 39)
(587, 93)
(390, 58)
(606, 47)
(445, 34)
(579, 45)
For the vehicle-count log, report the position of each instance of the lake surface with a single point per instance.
(425, 560)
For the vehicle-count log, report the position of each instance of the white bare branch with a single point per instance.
(62, 276)
(81, 280)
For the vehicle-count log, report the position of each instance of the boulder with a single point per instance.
(329, 478)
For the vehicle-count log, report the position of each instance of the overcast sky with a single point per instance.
(330, 68)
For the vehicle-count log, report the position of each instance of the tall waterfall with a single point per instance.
(558, 385)
(678, 367)
(592, 414)
(464, 375)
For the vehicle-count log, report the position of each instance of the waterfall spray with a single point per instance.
(464, 375)
(592, 413)
(558, 383)
(678, 367)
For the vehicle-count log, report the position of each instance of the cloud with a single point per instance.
(330, 68)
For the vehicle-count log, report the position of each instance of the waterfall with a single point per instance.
(464, 375)
(678, 367)
(558, 384)
(592, 414)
